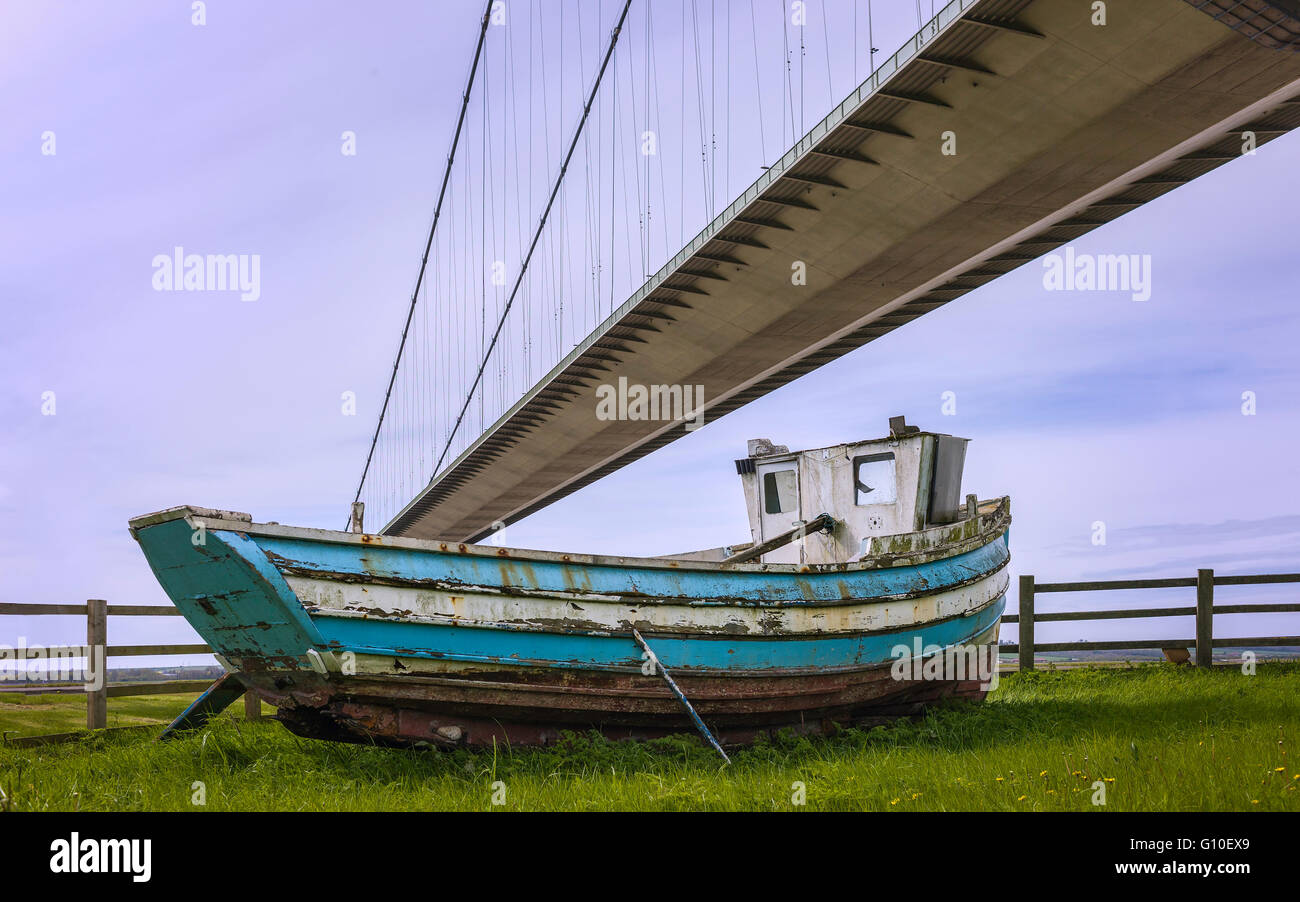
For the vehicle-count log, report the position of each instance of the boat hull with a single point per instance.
(539, 707)
(373, 639)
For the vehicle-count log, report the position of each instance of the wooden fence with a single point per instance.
(97, 611)
(1204, 611)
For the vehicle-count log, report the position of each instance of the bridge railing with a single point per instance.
(1204, 610)
(97, 611)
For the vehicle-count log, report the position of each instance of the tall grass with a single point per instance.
(1154, 738)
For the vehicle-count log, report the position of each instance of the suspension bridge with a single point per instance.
(732, 194)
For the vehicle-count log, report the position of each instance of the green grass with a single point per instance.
(1157, 737)
(34, 715)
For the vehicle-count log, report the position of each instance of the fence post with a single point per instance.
(1204, 617)
(1027, 622)
(97, 638)
(252, 706)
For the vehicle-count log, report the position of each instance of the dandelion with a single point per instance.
(915, 796)
(1022, 798)
(895, 802)
(1278, 770)
(1110, 779)
(1043, 774)
(999, 779)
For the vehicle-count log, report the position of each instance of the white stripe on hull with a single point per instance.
(490, 607)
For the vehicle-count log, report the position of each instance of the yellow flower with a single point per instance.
(999, 779)
(1254, 801)
(1278, 770)
(1043, 774)
(915, 796)
(1051, 792)
(895, 802)
(1022, 798)
(1110, 779)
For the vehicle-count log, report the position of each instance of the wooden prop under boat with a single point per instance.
(375, 638)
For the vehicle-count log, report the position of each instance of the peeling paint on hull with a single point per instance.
(539, 706)
(397, 641)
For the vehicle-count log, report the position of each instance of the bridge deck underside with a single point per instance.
(1061, 126)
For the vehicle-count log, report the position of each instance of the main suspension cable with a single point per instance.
(424, 261)
(523, 269)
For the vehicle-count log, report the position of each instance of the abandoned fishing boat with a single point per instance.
(862, 556)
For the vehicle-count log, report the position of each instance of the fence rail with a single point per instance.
(1204, 610)
(113, 610)
(97, 611)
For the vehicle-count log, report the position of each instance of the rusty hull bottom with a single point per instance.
(536, 708)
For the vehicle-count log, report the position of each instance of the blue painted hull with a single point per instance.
(376, 639)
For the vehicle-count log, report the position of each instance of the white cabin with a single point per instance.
(904, 483)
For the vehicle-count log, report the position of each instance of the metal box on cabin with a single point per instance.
(945, 489)
(881, 487)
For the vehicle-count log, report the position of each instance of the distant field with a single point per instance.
(1157, 737)
(33, 715)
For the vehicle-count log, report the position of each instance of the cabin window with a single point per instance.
(874, 479)
(780, 492)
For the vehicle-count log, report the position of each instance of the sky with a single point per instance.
(1085, 407)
